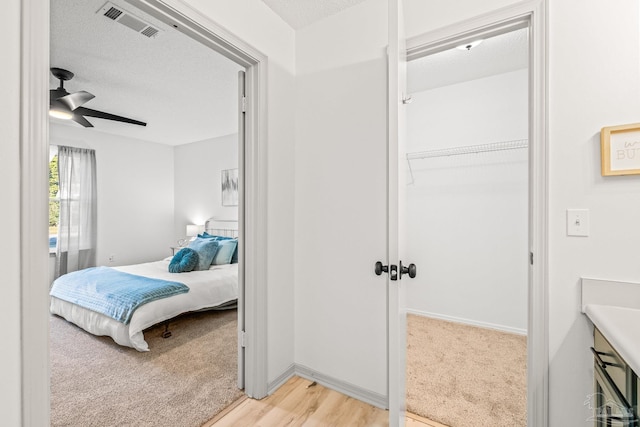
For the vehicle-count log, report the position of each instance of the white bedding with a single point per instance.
(209, 288)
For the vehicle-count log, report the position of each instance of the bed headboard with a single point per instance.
(222, 227)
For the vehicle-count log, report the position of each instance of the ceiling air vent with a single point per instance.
(123, 17)
(149, 32)
(113, 13)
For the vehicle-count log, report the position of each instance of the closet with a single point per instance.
(467, 197)
(468, 220)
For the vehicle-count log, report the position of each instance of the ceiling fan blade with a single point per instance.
(76, 99)
(79, 119)
(102, 115)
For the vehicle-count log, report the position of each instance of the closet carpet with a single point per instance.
(183, 381)
(465, 376)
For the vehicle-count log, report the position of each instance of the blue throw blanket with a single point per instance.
(112, 292)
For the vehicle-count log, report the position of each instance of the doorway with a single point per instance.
(529, 14)
(467, 209)
(152, 181)
(34, 351)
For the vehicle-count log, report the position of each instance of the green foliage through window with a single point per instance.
(54, 201)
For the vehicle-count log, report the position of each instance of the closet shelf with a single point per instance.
(468, 149)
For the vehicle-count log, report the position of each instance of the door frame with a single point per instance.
(531, 14)
(34, 142)
(396, 290)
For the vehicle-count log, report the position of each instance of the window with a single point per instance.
(76, 206)
(54, 199)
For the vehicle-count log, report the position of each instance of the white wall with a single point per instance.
(135, 194)
(340, 195)
(594, 81)
(468, 214)
(10, 386)
(198, 183)
(256, 24)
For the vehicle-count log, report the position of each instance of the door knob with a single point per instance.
(410, 270)
(379, 269)
(391, 269)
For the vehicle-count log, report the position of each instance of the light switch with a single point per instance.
(578, 222)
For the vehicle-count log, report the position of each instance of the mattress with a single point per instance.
(207, 289)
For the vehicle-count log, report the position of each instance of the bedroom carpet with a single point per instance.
(465, 376)
(183, 381)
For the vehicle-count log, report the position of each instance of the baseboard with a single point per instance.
(477, 323)
(343, 387)
(340, 386)
(281, 379)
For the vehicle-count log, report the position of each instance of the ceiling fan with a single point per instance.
(65, 105)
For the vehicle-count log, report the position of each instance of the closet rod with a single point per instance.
(468, 149)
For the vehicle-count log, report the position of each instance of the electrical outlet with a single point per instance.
(578, 222)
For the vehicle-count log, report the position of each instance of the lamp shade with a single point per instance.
(193, 230)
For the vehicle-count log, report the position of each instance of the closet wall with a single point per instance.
(467, 214)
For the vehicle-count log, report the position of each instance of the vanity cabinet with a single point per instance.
(616, 386)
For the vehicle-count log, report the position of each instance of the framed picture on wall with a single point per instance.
(620, 148)
(230, 187)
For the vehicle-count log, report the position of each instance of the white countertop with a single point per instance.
(620, 326)
(614, 308)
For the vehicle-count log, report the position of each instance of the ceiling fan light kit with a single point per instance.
(68, 106)
(58, 111)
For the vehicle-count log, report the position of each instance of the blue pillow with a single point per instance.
(185, 260)
(225, 252)
(234, 258)
(206, 235)
(224, 238)
(206, 249)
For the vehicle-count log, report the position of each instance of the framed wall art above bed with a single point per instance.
(229, 178)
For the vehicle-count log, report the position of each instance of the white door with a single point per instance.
(396, 287)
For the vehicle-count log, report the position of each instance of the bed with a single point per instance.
(213, 288)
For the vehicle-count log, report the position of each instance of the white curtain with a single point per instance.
(77, 229)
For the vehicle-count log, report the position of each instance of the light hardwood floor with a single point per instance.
(299, 402)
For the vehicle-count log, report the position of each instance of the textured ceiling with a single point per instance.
(496, 55)
(300, 13)
(185, 91)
